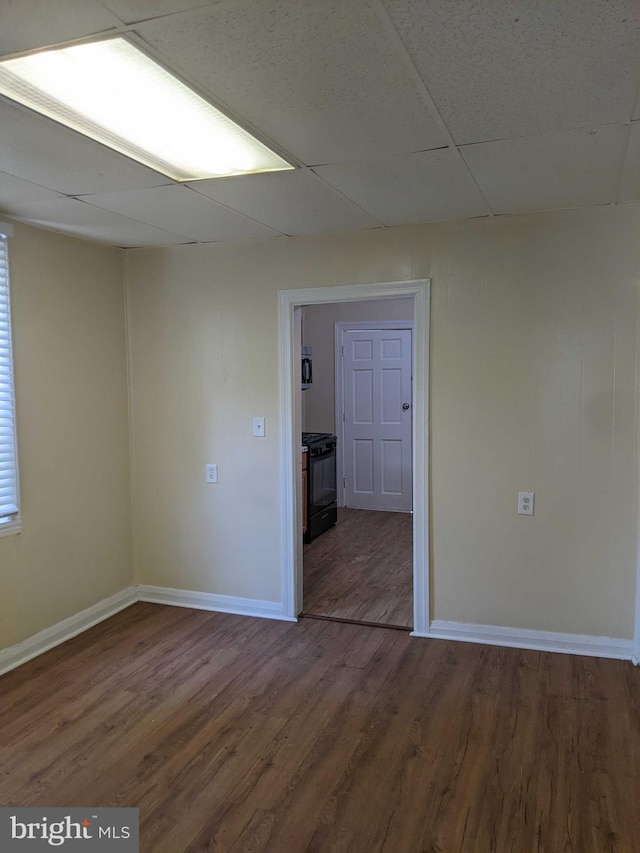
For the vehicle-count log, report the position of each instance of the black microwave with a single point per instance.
(307, 368)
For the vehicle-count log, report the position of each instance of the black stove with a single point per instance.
(322, 491)
(319, 443)
(312, 437)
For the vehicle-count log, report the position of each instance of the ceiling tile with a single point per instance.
(181, 210)
(321, 78)
(546, 172)
(27, 24)
(630, 187)
(75, 217)
(291, 202)
(515, 68)
(43, 152)
(426, 187)
(131, 11)
(15, 192)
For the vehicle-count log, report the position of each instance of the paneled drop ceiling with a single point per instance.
(395, 112)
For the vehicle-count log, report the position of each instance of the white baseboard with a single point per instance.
(212, 601)
(15, 656)
(493, 635)
(521, 638)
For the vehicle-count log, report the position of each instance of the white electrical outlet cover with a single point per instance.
(525, 503)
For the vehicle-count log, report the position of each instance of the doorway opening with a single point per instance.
(360, 569)
(290, 306)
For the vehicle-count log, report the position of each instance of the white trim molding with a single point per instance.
(212, 601)
(493, 635)
(9, 528)
(636, 639)
(521, 638)
(289, 305)
(635, 658)
(15, 656)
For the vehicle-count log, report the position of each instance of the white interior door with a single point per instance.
(377, 403)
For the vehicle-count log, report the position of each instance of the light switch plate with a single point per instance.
(258, 427)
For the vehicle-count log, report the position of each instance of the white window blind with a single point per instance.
(8, 451)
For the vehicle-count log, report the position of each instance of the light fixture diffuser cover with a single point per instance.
(114, 93)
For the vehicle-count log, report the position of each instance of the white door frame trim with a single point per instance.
(289, 305)
(338, 342)
(636, 634)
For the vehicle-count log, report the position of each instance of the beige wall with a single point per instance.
(533, 372)
(318, 325)
(71, 388)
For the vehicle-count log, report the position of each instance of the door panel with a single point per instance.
(362, 350)
(391, 396)
(362, 472)
(376, 368)
(391, 467)
(362, 404)
(391, 348)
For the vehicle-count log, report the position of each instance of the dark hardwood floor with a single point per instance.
(362, 569)
(239, 734)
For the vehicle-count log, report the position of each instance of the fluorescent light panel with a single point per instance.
(114, 93)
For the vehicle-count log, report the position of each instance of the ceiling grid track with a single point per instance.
(625, 147)
(346, 198)
(416, 77)
(366, 100)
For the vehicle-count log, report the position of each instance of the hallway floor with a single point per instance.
(362, 569)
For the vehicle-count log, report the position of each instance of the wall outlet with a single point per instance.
(525, 503)
(258, 427)
(211, 473)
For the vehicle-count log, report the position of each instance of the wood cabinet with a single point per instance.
(304, 491)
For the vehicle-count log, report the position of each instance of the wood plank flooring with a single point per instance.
(362, 569)
(239, 734)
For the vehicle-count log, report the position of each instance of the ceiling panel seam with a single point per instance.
(420, 84)
(237, 212)
(132, 219)
(636, 100)
(346, 198)
(143, 20)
